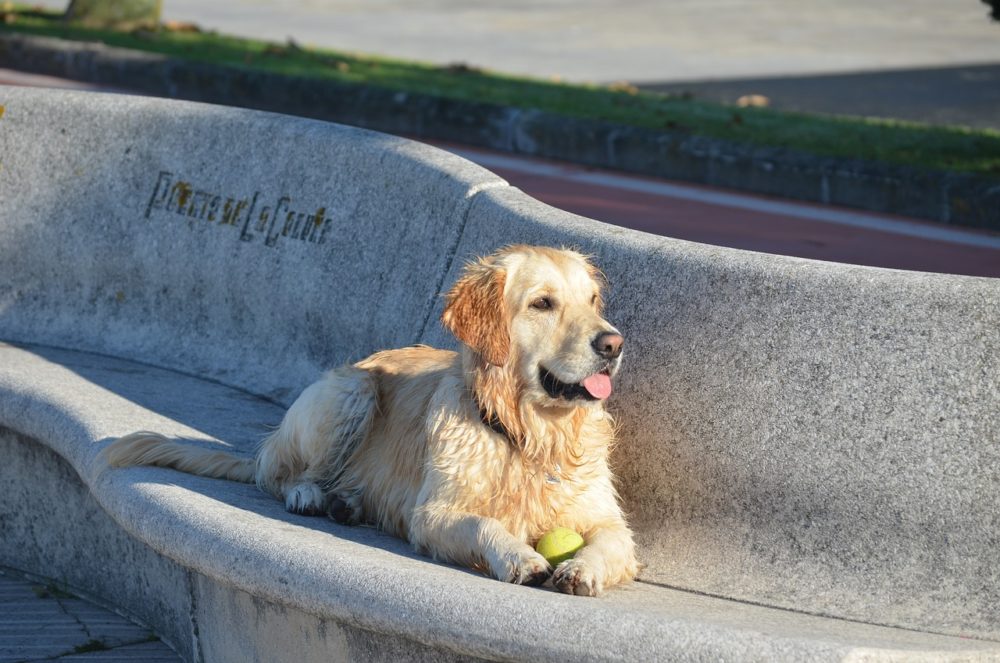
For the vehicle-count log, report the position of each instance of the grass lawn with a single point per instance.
(943, 148)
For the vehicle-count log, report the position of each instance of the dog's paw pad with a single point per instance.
(525, 569)
(305, 499)
(344, 510)
(575, 577)
(536, 578)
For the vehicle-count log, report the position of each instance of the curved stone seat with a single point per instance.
(808, 451)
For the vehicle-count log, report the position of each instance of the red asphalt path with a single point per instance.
(721, 217)
(744, 221)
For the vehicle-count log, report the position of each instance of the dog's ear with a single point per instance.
(475, 312)
(601, 280)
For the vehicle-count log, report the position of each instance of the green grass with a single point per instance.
(944, 148)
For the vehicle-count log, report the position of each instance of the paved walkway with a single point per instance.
(41, 623)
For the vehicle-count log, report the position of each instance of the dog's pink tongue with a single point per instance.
(598, 385)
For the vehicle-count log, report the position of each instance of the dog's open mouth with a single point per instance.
(595, 387)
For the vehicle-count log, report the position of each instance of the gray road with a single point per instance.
(636, 40)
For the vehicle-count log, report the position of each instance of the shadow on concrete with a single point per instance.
(966, 95)
(218, 411)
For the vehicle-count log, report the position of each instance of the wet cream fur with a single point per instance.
(397, 440)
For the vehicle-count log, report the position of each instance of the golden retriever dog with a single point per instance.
(469, 456)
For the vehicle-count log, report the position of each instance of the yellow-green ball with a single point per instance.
(558, 545)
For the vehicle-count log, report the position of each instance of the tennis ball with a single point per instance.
(558, 545)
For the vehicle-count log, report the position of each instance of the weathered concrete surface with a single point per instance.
(798, 433)
(804, 446)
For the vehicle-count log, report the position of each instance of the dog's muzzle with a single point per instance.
(592, 388)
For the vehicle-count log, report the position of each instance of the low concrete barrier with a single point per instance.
(809, 451)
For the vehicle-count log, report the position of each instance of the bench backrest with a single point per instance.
(251, 248)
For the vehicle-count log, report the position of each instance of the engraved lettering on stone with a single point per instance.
(255, 220)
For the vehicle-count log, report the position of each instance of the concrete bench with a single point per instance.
(809, 452)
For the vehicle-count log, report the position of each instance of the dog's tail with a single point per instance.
(145, 448)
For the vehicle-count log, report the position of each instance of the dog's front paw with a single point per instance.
(522, 567)
(345, 508)
(574, 576)
(305, 499)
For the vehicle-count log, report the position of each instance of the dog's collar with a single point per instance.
(494, 424)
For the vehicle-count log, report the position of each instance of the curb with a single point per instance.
(941, 196)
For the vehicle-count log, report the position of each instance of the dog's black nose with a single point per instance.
(608, 344)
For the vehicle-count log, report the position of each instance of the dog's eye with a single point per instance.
(542, 304)
(593, 300)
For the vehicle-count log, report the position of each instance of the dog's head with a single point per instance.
(534, 316)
